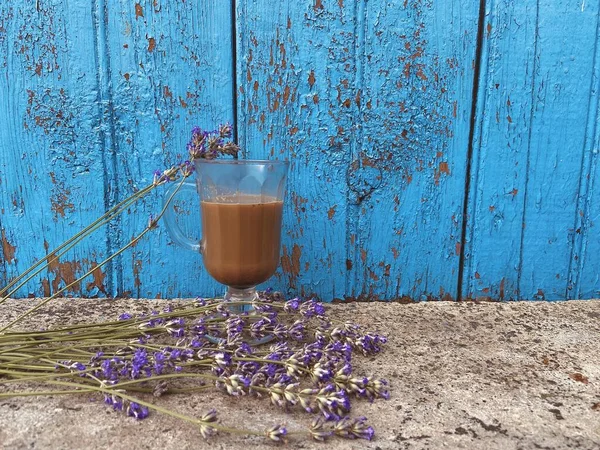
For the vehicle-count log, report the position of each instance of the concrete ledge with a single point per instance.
(463, 375)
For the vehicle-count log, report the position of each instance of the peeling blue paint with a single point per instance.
(369, 100)
(532, 177)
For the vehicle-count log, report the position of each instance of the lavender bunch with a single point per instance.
(307, 365)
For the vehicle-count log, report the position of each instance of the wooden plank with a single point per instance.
(585, 274)
(170, 68)
(409, 164)
(296, 65)
(528, 160)
(52, 172)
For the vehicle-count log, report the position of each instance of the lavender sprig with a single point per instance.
(211, 144)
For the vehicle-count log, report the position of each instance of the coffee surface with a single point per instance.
(241, 239)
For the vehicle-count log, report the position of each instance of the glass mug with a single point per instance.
(241, 207)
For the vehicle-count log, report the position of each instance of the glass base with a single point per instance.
(241, 295)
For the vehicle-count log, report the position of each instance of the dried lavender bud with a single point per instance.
(206, 430)
(234, 384)
(137, 411)
(277, 433)
(223, 360)
(284, 395)
(225, 130)
(230, 148)
(320, 373)
(292, 305)
(377, 389)
(197, 145)
(160, 388)
(165, 176)
(312, 308)
(306, 397)
(152, 222)
(333, 404)
(209, 145)
(187, 168)
(318, 431)
(353, 428)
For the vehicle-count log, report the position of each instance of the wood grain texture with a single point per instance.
(53, 172)
(369, 100)
(585, 261)
(297, 101)
(531, 149)
(371, 105)
(169, 67)
(409, 161)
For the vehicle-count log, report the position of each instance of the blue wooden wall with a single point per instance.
(439, 149)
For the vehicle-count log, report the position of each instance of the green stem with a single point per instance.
(70, 243)
(162, 410)
(86, 390)
(89, 272)
(101, 327)
(40, 393)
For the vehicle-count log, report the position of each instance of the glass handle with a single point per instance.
(170, 219)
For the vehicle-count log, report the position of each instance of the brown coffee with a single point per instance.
(241, 239)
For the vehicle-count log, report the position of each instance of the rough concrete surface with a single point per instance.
(463, 375)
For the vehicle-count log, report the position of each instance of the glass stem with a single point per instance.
(241, 295)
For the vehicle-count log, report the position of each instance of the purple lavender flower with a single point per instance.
(321, 373)
(197, 144)
(317, 430)
(234, 327)
(370, 344)
(377, 389)
(114, 401)
(165, 176)
(223, 360)
(187, 168)
(175, 327)
(261, 327)
(77, 366)
(156, 177)
(125, 316)
(136, 410)
(199, 329)
(214, 142)
(243, 350)
(206, 430)
(292, 305)
(297, 331)
(225, 130)
(96, 359)
(277, 433)
(360, 430)
(159, 362)
(138, 363)
(319, 309)
(333, 404)
(312, 308)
